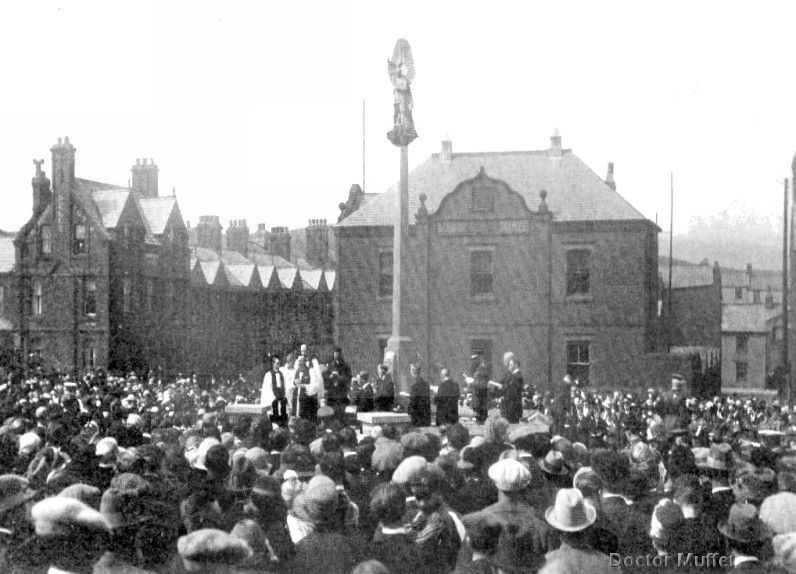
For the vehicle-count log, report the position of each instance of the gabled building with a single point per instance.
(530, 252)
(101, 271)
(106, 276)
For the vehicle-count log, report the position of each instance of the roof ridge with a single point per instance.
(515, 152)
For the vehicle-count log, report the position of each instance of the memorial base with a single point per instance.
(378, 419)
(255, 411)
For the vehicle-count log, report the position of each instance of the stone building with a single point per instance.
(728, 315)
(109, 276)
(530, 252)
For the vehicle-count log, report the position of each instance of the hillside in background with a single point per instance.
(733, 238)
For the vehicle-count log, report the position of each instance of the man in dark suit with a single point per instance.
(479, 384)
(363, 394)
(419, 399)
(624, 519)
(384, 390)
(447, 400)
(717, 468)
(337, 382)
(511, 385)
(524, 539)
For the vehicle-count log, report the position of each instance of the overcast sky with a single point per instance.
(254, 109)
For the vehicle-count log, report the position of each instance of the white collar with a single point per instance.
(741, 558)
(716, 489)
(399, 530)
(627, 500)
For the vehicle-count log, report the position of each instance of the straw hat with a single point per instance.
(570, 513)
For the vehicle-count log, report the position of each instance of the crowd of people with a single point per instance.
(109, 474)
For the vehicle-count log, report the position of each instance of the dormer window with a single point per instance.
(80, 238)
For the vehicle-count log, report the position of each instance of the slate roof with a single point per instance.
(313, 278)
(7, 254)
(687, 275)
(157, 211)
(268, 260)
(287, 276)
(243, 274)
(574, 191)
(209, 269)
(697, 275)
(110, 205)
(746, 318)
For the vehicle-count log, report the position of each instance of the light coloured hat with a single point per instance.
(29, 441)
(133, 420)
(59, 515)
(778, 512)
(209, 546)
(106, 445)
(408, 468)
(259, 457)
(570, 513)
(510, 475)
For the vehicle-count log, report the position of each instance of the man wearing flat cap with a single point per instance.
(524, 539)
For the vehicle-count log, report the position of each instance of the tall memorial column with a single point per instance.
(399, 350)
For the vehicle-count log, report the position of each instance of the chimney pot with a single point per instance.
(66, 139)
(447, 150)
(555, 143)
(144, 161)
(60, 141)
(138, 161)
(609, 179)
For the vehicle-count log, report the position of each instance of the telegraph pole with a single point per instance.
(785, 290)
(671, 264)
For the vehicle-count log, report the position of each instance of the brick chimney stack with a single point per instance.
(238, 237)
(555, 145)
(749, 273)
(447, 151)
(63, 172)
(609, 179)
(41, 188)
(318, 243)
(145, 178)
(208, 233)
(279, 242)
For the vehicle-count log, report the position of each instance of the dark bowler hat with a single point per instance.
(744, 525)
